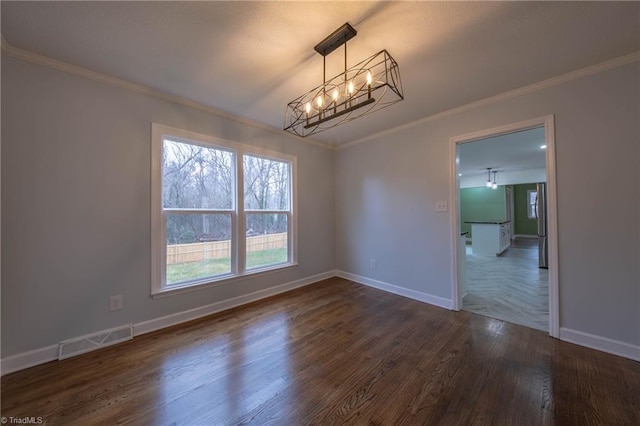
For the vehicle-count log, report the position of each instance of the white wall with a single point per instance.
(386, 189)
(76, 205)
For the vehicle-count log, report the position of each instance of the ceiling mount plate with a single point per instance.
(336, 39)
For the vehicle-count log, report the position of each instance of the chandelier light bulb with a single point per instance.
(349, 94)
(320, 107)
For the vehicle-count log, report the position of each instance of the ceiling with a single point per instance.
(251, 58)
(505, 153)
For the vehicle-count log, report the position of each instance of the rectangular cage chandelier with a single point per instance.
(369, 86)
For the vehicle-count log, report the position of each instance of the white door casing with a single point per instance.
(552, 223)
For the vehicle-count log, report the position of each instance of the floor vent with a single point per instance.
(91, 342)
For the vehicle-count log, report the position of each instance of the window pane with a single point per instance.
(267, 239)
(198, 246)
(266, 184)
(533, 196)
(194, 176)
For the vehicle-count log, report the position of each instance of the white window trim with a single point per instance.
(158, 229)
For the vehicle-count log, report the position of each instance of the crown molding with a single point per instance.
(45, 61)
(58, 65)
(544, 84)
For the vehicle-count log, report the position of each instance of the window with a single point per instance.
(266, 203)
(532, 199)
(198, 210)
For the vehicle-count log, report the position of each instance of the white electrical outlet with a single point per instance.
(116, 303)
(374, 264)
(441, 206)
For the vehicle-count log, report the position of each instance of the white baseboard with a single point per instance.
(599, 343)
(400, 291)
(35, 357)
(28, 359)
(202, 311)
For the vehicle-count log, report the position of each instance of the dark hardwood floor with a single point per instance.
(333, 353)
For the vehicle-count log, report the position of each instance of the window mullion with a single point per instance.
(267, 211)
(290, 244)
(163, 250)
(196, 211)
(241, 222)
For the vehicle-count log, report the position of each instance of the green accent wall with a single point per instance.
(482, 204)
(523, 225)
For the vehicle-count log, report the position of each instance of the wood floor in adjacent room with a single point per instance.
(331, 353)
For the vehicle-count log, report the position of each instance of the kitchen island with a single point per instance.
(490, 237)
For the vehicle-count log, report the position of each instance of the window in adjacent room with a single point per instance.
(205, 229)
(532, 198)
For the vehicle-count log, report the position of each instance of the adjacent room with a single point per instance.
(502, 221)
(339, 212)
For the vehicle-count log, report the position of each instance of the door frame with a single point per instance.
(548, 122)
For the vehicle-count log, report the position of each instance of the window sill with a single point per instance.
(225, 279)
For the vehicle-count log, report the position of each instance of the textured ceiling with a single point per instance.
(251, 58)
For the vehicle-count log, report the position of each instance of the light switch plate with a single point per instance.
(441, 206)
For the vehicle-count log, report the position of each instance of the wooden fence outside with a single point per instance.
(197, 252)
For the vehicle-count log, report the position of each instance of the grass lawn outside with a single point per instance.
(181, 272)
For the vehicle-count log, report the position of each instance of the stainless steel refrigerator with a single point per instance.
(541, 216)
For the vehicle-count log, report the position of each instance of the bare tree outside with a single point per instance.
(196, 177)
(198, 198)
(266, 194)
(266, 187)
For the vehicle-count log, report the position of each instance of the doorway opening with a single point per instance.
(504, 226)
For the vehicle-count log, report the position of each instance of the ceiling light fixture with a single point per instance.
(369, 86)
(489, 184)
(494, 185)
